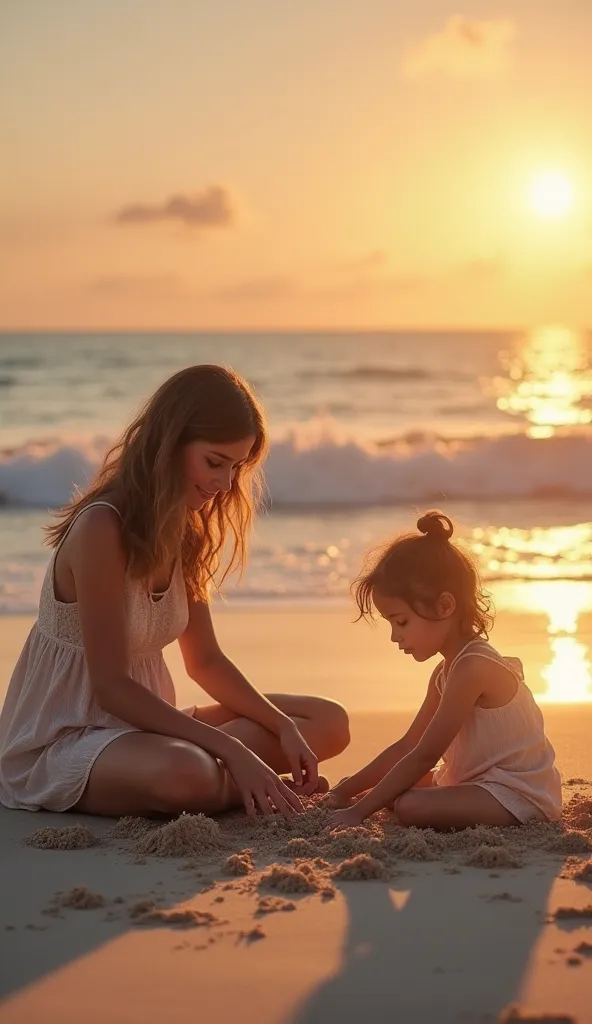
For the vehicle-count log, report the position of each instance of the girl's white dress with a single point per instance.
(503, 750)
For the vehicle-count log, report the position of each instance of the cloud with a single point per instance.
(137, 285)
(258, 289)
(212, 208)
(374, 260)
(465, 48)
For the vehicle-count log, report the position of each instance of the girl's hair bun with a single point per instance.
(435, 524)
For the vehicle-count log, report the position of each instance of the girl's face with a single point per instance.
(420, 637)
(210, 467)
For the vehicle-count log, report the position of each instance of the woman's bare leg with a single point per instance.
(145, 774)
(323, 723)
(142, 773)
(444, 807)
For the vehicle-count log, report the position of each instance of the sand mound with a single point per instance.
(578, 813)
(274, 904)
(298, 847)
(239, 863)
(570, 842)
(360, 868)
(491, 857)
(190, 835)
(264, 839)
(145, 912)
(286, 879)
(78, 898)
(72, 837)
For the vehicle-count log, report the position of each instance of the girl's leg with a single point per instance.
(443, 807)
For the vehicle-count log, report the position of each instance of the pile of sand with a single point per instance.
(288, 879)
(72, 837)
(78, 898)
(360, 868)
(253, 846)
(239, 863)
(145, 912)
(189, 835)
(273, 904)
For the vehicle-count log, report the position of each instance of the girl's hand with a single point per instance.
(348, 817)
(258, 785)
(335, 798)
(303, 763)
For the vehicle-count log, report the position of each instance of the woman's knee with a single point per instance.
(331, 725)
(187, 778)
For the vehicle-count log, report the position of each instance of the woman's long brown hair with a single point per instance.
(143, 476)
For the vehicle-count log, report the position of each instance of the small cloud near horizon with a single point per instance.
(258, 288)
(214, 207)
(465, 48)
(129, 285)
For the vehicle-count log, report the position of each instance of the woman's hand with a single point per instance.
(301, 759)
(258, 785)
(347, 817)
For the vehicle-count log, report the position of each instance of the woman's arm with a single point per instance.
(97, 561)
(373, 772)
(207, 664)
(462, 691)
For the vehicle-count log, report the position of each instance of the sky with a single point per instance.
(177, 164)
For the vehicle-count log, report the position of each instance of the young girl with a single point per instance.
(478, 715)
(89, 723)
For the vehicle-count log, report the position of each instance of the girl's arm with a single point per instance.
(98, 564)
(207, 664)
(373, 772)
(462, 691)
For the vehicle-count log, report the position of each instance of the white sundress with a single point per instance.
(504, 750)
(52, 728)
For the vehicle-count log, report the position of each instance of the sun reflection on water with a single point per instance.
(540, 553)
(548, 382)
(568, 673)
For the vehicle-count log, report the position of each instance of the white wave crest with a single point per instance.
(320, 468)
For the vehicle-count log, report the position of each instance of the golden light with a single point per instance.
(567, 674)
(548, 382)
(551, 195)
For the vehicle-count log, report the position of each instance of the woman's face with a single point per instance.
(210, 467)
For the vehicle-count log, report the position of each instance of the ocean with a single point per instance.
(367, 430)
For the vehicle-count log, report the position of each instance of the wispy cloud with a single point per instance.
(258, 289)
(465, 48)
(137, 285)
(214, 207)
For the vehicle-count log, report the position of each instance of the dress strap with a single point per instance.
(80, 512)
(488, 653)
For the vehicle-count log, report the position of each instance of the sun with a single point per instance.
(551, 195)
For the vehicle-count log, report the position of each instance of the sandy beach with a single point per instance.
(454, 929)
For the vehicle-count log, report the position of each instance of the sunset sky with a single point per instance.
(326, 163)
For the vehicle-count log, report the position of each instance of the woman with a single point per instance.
(90, 723)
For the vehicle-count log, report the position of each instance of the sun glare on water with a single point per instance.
(551, 195)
